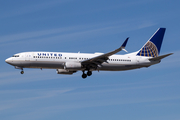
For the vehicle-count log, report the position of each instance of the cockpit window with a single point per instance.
(15, 56)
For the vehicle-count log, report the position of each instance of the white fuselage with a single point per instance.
(69, 63)
(57, 60)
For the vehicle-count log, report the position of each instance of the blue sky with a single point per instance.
(89, 26)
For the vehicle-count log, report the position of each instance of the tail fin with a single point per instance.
(153, 45)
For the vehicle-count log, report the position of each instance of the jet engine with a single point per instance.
(67, 72)
(72, 66)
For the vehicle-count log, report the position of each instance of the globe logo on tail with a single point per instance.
(149, 50)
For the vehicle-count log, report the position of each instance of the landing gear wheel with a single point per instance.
(84, 75)
(89, 73)
(22, 72)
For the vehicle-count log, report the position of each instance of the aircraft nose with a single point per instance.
(8, 60)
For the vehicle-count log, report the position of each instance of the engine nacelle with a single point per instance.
(72, 66)
(67, 72)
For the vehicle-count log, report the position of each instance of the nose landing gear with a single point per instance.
(22, 72)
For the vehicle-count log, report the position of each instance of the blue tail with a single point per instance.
(153, 45)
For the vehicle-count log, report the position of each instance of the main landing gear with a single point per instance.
(89, 73)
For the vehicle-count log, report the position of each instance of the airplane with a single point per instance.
(69, 63)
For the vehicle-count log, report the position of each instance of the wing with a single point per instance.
(98, 60)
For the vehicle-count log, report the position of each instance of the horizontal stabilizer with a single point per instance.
(160, 57)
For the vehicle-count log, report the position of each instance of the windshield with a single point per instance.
(15, 56)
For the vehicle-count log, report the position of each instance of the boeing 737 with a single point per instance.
(69, 63)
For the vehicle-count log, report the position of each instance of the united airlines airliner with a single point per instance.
(69, 63)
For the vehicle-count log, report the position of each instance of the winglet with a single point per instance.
(124, 44)
(106, 55)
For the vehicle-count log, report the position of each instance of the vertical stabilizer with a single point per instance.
(153, 46)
